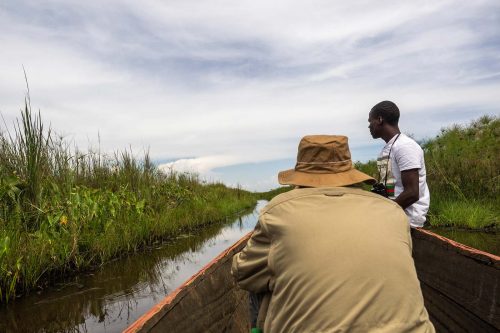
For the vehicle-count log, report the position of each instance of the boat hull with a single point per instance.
(209, 301)
(460, 284)
(460, 287)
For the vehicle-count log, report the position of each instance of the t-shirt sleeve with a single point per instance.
(408, 156)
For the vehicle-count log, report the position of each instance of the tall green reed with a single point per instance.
(463, 172)
(63, 209)
(465, 160)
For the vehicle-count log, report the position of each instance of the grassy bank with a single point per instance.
(463, 175)
(272, 193)
(64, 210)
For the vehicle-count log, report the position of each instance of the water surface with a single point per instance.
(113, 297)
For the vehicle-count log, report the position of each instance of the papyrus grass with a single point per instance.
(63, 210)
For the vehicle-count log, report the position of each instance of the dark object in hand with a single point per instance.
(380, 188)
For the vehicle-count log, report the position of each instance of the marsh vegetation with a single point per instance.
(63, 210)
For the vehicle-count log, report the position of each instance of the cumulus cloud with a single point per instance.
(202, 165)
(229, 83)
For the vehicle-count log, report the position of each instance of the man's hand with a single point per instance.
(410, 192)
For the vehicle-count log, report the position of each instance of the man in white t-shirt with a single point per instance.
(401, 164)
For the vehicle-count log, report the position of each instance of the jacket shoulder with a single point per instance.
(330, 191)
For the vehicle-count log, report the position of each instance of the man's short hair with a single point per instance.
(388, 111)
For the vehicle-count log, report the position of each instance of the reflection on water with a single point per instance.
(485, 241)
(110, 299)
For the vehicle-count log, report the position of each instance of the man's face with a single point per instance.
(375, 125)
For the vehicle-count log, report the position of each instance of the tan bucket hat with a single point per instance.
(323, 160)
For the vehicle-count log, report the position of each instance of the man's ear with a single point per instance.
(380, 120)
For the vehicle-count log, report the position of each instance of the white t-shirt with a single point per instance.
(406, 154)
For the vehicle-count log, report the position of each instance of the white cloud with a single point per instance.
(229, 82)
(202, 165)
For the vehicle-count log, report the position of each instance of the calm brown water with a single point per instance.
(113, 297)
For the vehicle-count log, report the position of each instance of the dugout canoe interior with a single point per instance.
(460, 287)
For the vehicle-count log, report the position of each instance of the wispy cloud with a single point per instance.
(240, 82)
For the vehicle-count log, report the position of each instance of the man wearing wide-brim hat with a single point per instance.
(334, 258)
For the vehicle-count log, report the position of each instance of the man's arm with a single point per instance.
(410, 192)
(250, 269)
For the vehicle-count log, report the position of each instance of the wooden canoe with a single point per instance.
(460, 286)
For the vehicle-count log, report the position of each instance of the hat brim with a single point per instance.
(352, 176)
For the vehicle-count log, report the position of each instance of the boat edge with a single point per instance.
(153, 316)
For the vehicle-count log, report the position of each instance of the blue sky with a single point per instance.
(228, 88)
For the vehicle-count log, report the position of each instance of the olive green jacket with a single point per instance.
(335, 260)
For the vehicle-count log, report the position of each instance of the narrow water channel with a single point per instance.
(113, 297)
